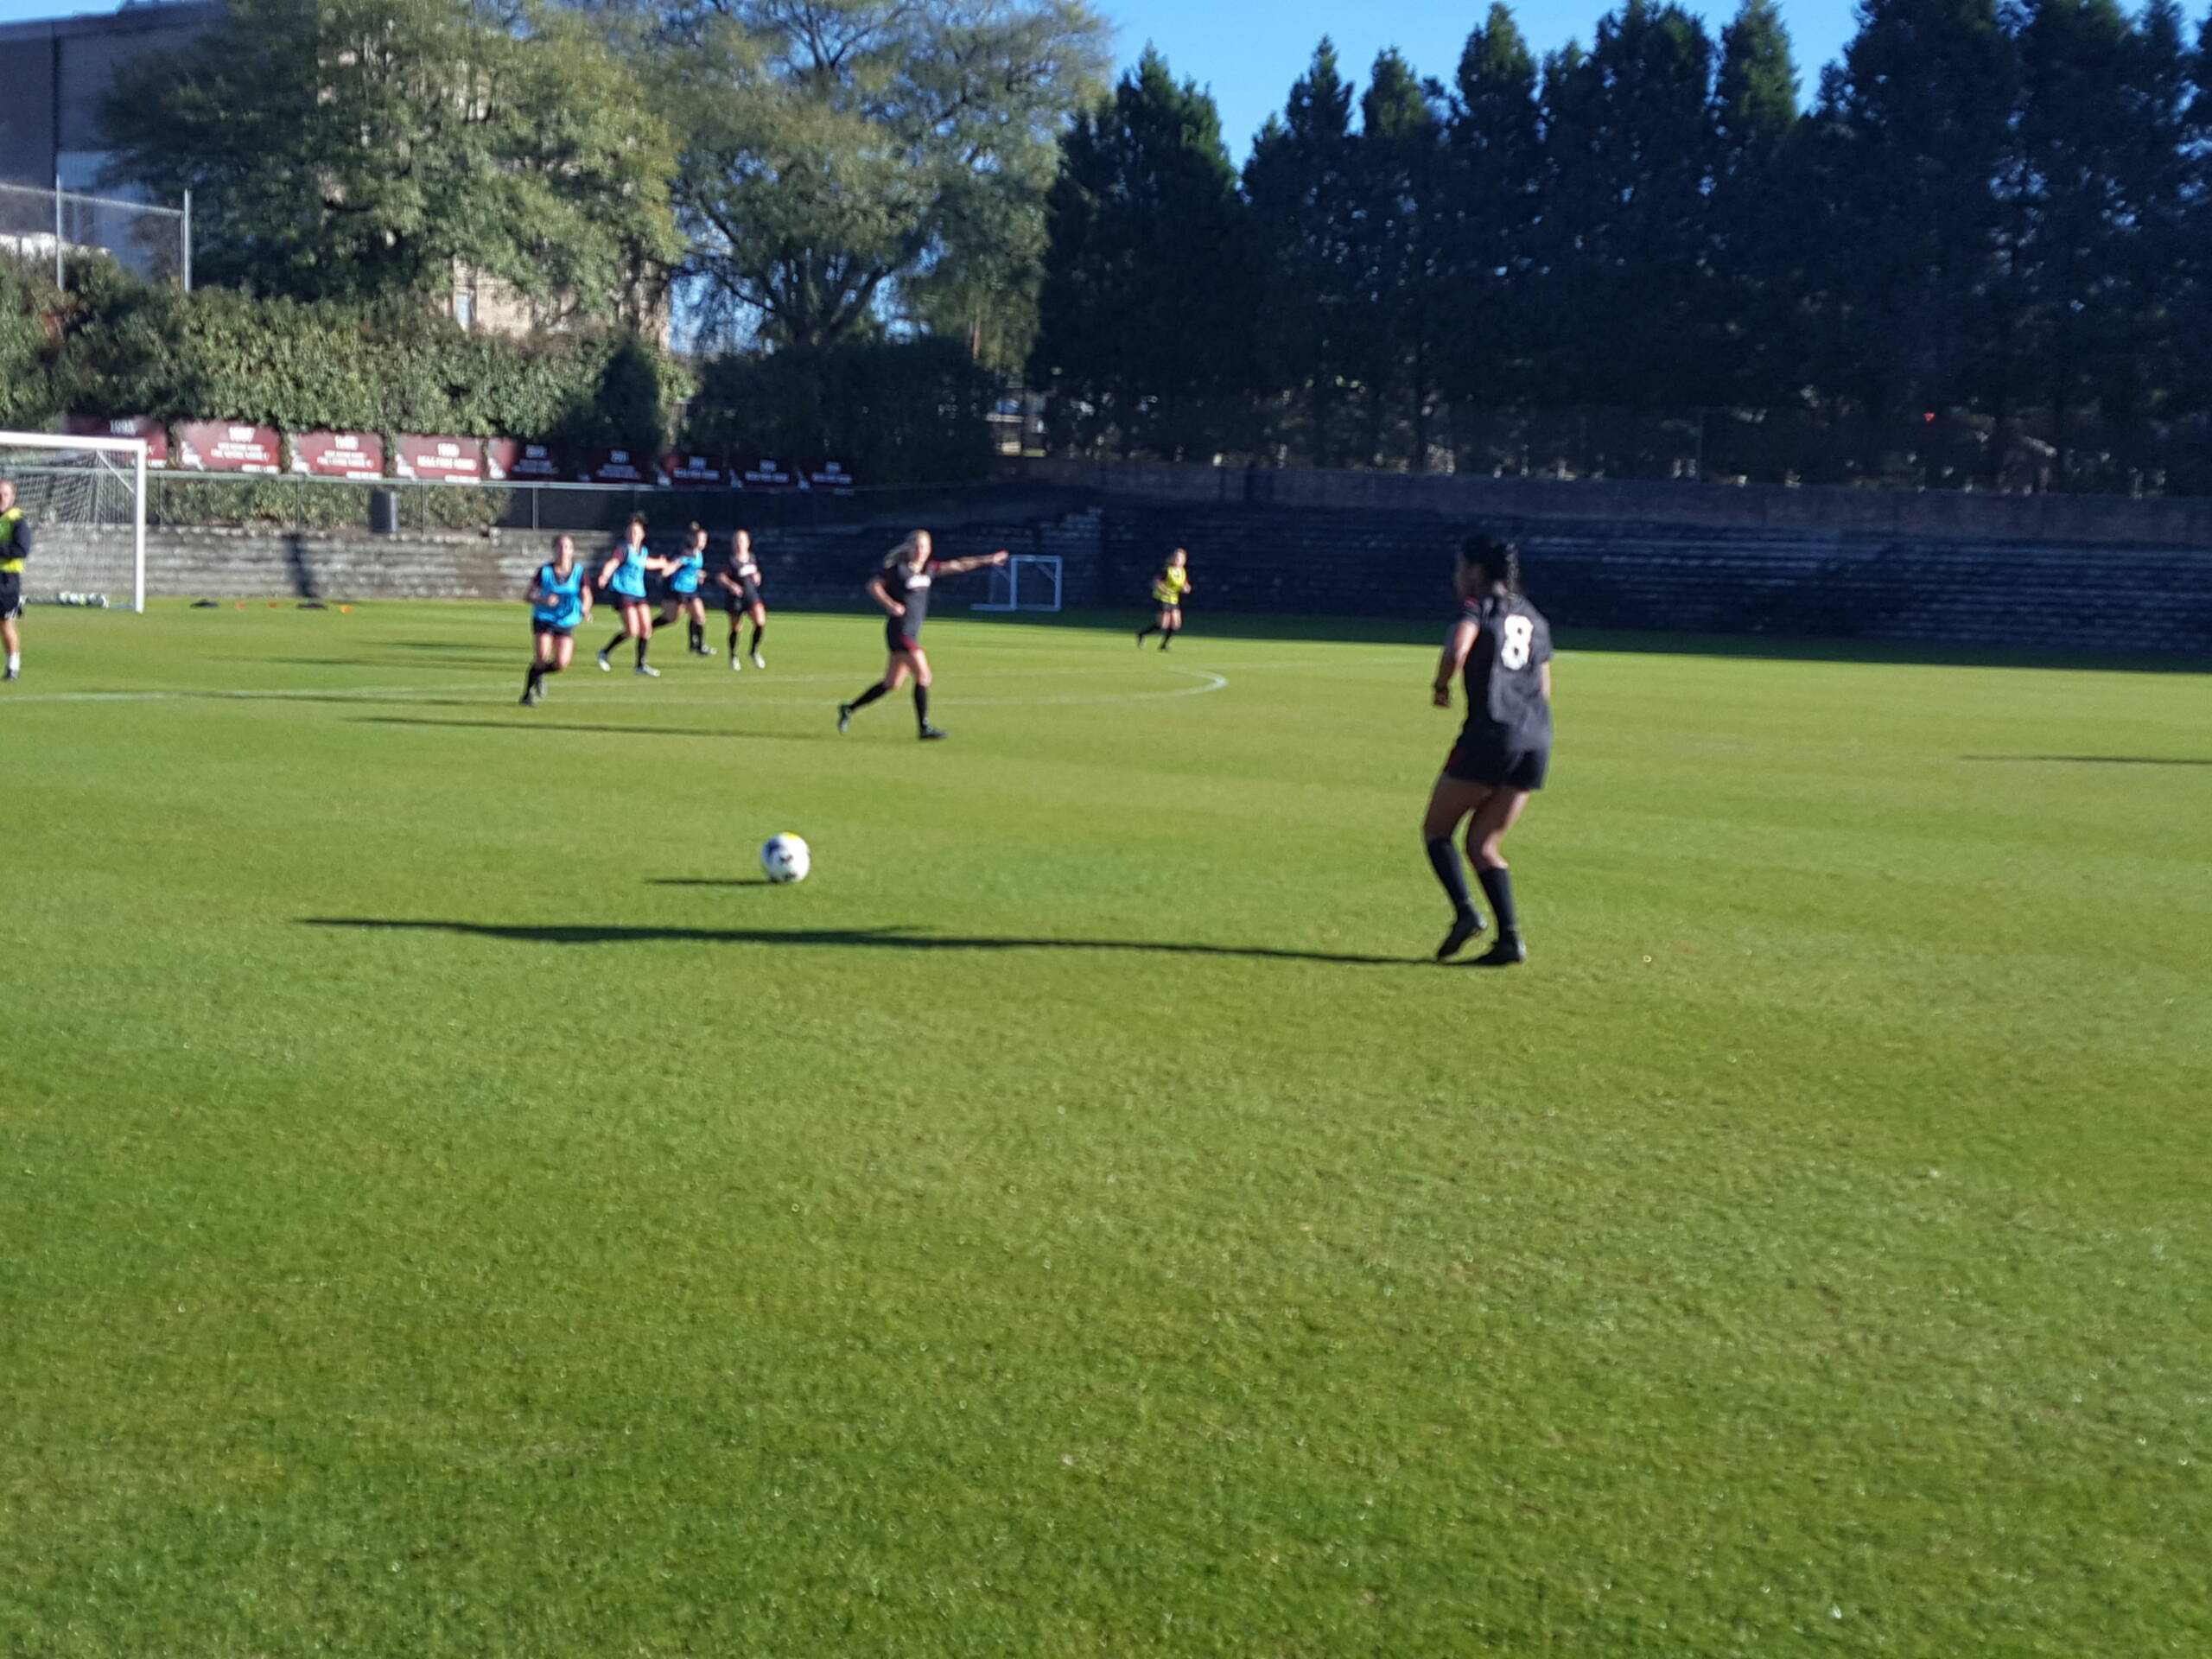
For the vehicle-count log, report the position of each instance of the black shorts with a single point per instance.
(1167, 604)
(11, 596)
(616, 596)
(896, 637)
(1474, 761)
(737, 602)
(544, 628)
(679, 598)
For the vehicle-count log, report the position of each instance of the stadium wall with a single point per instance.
(810, 567)
(1830, 582)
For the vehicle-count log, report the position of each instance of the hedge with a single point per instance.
(115, 345)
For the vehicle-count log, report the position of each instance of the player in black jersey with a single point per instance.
(902, 587)
(1501, 648)
(740, 583)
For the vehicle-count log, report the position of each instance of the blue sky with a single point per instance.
(1249, 51)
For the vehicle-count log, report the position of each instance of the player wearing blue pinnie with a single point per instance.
(560, 604)
(687, 574)
(623, 578)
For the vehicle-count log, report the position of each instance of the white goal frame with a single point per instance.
(1007, 586)
(133, 448)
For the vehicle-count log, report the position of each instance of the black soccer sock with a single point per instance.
(536, 673)
(1142, 633)
(733, 638)
(1443, 859)
(696, 633)
(643, 640)
(1497, 887)
(543, 669)
(615, 642)
(759, 628)
(869, 695)
(921, 705)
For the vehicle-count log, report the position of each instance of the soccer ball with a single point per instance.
(785, 858)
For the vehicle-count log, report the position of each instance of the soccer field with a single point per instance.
(450, 1204)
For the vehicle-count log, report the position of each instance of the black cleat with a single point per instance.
(931, 734)
(844, 709)
(1507, 952)
(1455, 941)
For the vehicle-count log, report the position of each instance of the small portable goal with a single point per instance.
(1027, 582)
(86, 499)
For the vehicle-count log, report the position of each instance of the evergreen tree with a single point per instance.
(1492, 181)
(1913, 134)
(1398, 255)
(1304, 218)
(1147, 307)
(1754, 325)
(1630, 149)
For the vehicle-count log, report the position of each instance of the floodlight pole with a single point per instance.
(60, 277)
(188, 241)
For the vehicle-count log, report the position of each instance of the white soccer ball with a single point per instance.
(786, 858)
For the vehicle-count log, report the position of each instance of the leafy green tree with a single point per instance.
(360, 148)
(846, 161)
(1149, 288)
(1305, 210)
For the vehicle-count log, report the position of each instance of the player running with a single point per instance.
(686, 572)
(623, 576)
(1167, 590)
(902, 587)
(740, 579)
(560, 604)
(1503, 647)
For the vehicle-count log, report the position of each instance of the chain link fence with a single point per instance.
(50, 226)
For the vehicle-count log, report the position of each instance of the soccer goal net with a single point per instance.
(1027, 582)
(85, 499)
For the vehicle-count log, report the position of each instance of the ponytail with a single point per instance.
(904, 553)
(1498, 560)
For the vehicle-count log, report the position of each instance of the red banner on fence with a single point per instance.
(152, 432)
(509, 460)
(443, 461)
(219, 446)
(338, 454)
(611, 466)
(767, 475)
(828, 475)
(693, 472)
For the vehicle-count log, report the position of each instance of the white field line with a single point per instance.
(738, 701)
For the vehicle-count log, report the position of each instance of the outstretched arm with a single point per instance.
(961, 567)
(1457, 645)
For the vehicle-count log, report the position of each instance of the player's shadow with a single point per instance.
(2097, 760)
(872, 938)
(711, 881)
(531, 725)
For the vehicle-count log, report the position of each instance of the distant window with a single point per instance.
(464, 307)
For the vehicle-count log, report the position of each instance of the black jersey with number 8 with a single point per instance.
(1506, 705)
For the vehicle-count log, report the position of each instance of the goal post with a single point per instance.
(1027, 582)
(86, 499)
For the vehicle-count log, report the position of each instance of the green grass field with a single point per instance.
(448, 1205)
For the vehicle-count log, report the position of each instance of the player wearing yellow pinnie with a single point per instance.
(1167, 590)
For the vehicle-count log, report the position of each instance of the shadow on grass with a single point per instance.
(1202, 625)
(2094, 760)
(528, 725)
(711, 881)
(872, 938)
